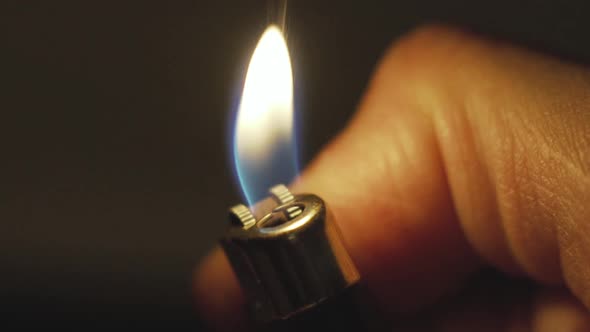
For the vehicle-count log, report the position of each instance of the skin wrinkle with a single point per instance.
(505, 204)
(430, 102)
(575, 238)
(495, 169)
(572, 240)
(568, 254)
(459, 119)
(552, 151)
(388, 162)
(535, 208)
(557, 107)
(552, 161)
(509, 169)
(574, 139)
(509, 187)
(461, 55)
(406, 151)
(534, 212)
(402, 140)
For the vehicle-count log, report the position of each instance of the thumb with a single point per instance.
(463, 153)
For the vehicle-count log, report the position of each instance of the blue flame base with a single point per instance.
(257, 176)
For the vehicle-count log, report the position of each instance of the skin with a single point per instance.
(465, 156)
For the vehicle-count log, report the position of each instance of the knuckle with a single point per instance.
(430, 53)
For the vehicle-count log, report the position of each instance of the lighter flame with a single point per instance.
(265, 115)
(263, 141)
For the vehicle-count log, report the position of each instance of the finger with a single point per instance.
(496, 303)
(558, 310)
(459, 146)
(487, 302)
(498, 133)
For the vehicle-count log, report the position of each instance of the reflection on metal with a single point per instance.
(290, 259)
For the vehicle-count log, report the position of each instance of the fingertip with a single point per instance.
(425, 51)
(558, 310)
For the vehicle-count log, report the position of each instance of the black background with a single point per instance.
(114, 117)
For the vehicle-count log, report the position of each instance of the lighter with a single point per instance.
(293, 266)
(286, 251)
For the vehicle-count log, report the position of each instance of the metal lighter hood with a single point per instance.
(291, 258)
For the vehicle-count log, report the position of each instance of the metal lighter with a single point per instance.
(291, 259)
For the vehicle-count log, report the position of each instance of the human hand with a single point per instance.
(465, 154)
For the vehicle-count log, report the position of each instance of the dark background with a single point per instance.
(114, 117)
